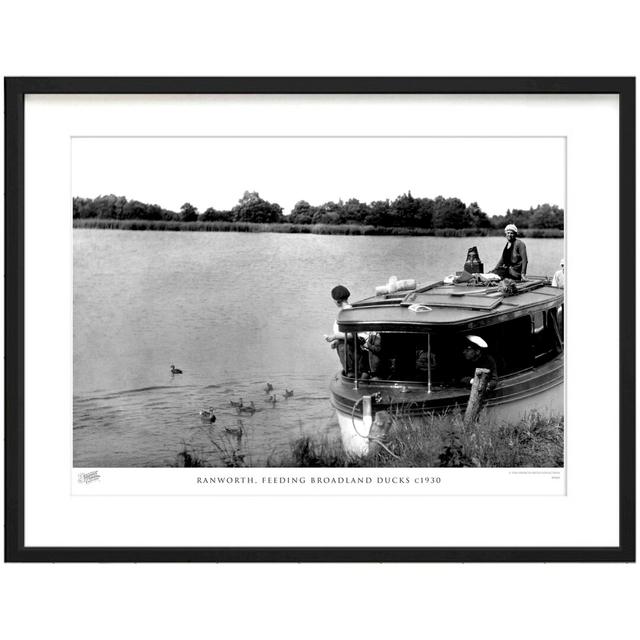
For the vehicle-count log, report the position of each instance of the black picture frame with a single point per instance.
(15, 91)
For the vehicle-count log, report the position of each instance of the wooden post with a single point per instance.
(478, 389)
(379, 430)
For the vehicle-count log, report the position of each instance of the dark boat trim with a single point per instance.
(417, 401)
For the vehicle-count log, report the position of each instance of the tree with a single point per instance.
(379, 213)
(404, 211)
(252, 208)
(211, 215)
(170, 215)
(134, 210)
(424, 213)
(108, 207)
(476, 218)
(354, 211)
(83, 208)
(546, 216)
(188, 213)
(329, 213)
(153, 212)
(302, 213)
(543, 216)
(448, 213)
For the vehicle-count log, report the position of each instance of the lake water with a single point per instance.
(233, 311)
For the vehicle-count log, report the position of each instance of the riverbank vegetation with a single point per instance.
(405, 215)
(283, 227)
(444, 441)
(425, 442)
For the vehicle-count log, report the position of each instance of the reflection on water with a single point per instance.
(233, 311)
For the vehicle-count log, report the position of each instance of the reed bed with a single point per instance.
(216, 447)
(286, 227)
(443, 441)
(429, 441)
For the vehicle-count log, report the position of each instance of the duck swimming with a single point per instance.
(238, 431)
(268, 388)
(272, 399)
(233, 403)
(251, 409)
(207, 415)
(287, 393)
(174, 370)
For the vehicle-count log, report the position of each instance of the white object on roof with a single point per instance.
(419, 308)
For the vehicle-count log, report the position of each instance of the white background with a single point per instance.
(494, 172)
(488, 38)
(587, 516)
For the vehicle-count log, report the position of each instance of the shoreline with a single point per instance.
(287, 227)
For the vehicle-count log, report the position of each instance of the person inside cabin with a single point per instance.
(475, 355)
(425, 361)
(513, 261)
(338, 339)
(558, 276)
(377, 363)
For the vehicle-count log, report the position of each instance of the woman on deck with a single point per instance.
(513, 261)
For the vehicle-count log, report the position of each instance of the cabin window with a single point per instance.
(515, 345)
(510, 345)
(409, 357)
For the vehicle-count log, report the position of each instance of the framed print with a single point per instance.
(320, 319)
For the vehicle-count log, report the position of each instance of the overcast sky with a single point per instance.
(497, 173)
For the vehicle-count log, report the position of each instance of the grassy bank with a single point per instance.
(285, 227)
(443, 441)
(421, 442)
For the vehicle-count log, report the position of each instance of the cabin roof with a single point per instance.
(449, 306)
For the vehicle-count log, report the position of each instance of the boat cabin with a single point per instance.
(420, 335)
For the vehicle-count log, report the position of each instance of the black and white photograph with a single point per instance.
(320, 319)
(319, 301)
(344, 314)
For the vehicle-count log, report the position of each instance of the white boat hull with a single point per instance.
(549, 402)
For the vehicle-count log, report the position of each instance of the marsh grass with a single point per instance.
(222, 447)
(443, 441)
(427, 441)
(286, 227)
(189, 456)
(308, 451)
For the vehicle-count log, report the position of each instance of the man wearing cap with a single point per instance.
(558, 276)
(476, 356)
(338, 340)
(513, 262)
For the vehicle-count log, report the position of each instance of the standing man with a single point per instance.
(374, 346)
(558, 276)
(338, 340)
(513, 262)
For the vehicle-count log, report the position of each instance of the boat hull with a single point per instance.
(540, 390)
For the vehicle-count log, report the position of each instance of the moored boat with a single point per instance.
(420, 336)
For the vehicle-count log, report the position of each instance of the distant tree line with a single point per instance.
(406, 211)
(544, 216)
(250, 208)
